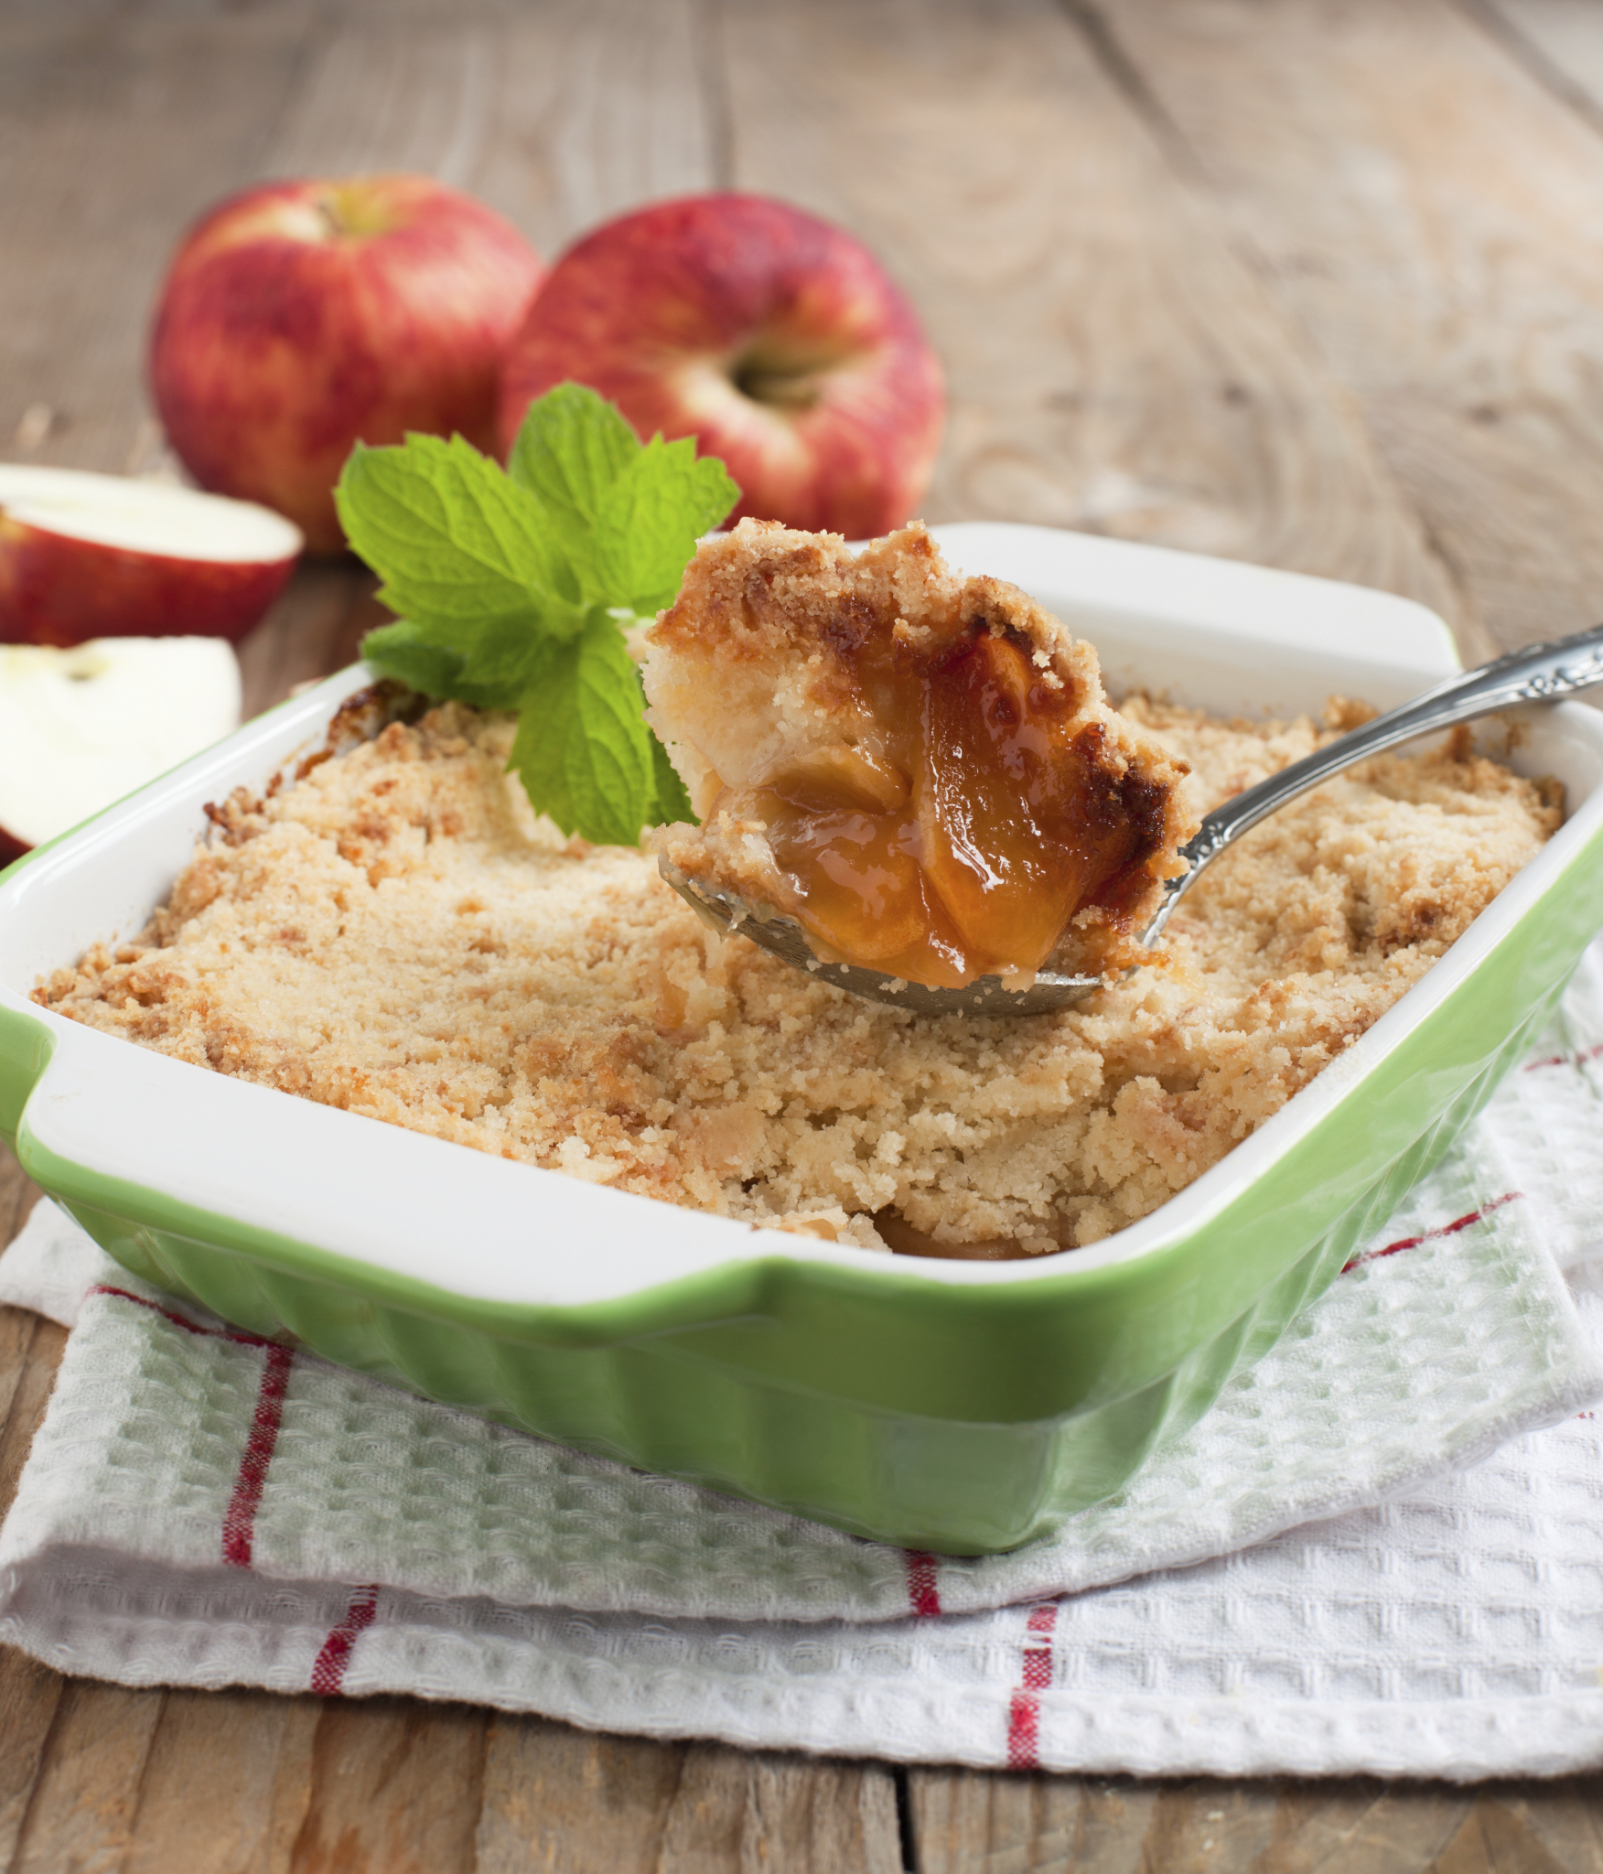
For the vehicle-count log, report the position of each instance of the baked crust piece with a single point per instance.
(922, 770)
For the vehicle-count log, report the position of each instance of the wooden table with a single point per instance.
(1312, 282)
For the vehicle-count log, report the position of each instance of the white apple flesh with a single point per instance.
(97, 556)
(81, 727)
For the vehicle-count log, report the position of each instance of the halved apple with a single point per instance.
(98, 556)
(81, 727)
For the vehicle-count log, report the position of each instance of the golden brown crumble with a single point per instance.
(395, 934)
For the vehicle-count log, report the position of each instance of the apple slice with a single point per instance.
(81, 727)
(98, 556)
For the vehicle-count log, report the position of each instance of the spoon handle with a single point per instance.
(1542, 673)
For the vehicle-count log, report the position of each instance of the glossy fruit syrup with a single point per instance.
(985, 818)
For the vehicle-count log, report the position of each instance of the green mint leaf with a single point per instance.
(458, 544)
(647, 523)
(572, 447)
(583, 750)
(630, 514)
(401, 650)
(673, 799)
(517, 588)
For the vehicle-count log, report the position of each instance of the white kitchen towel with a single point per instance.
(205, 1509)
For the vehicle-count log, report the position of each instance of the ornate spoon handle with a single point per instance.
(1540, 674)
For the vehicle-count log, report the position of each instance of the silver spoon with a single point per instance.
(1541, 674)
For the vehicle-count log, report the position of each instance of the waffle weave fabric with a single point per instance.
(1381, 1551)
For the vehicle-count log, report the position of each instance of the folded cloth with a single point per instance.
(205, 1508)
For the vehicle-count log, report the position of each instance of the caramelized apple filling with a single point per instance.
(921, 771)
(963, 848)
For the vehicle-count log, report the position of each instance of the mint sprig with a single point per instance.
(515, 587)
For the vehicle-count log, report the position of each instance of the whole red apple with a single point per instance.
(302, 317)
(99, 556)
(774, 339)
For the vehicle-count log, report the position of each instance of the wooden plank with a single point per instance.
(37, 1347)
(766, 1814)
(966, 1821)
(571, 1802)
(315, 628)
(558, 116)
(395, 1789)
(1097, 383)
(1416, 198)
(18, 1195)
(1560, 41)
(230, 1776)
(1112, 363)
(114, 132)
(81, 1813)
(25, 1376)
(29, 1697)
(574, 1803)
(606, 105)
(1566, 1818)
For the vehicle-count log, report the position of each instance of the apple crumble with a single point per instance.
(396, 934)
(920, 770)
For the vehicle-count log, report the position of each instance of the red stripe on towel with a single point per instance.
(328, 1674)
(923, 1590)
(1578, 1059)
(1429, 1236)
(1024, 1709)
(239, 1520)
(236, 1334)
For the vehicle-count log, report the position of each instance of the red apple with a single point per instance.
(99, 556)
(302, 317)
(773, 338)
(80, 728)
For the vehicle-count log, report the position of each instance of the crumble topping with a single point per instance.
(921, 770)
(397, 935)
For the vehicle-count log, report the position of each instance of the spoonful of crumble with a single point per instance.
(912, 785)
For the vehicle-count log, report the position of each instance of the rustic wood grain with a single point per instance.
(315, 628)
(558, 115)
(967, 1822)
(1112, 363)
(560, 1799)
(32, 1350)
(565, 1802)
(95, 188)
(29, 1696)
(1415, 197)
(395, 1788)
(231, 1776)
(18, 1195)
(84, 1802)
(29, 1692)
(752, 1813)
(1295, 280)
(1559, 41)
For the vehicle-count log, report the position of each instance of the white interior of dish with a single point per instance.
(1210, 632)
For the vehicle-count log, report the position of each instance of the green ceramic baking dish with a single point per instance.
(951, 1406)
